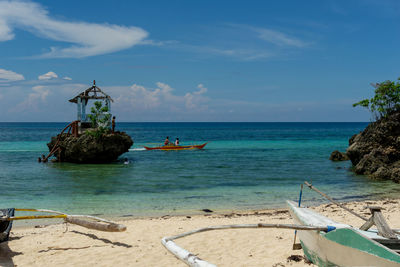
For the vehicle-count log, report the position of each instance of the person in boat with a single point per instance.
(166, 142)
(177, 142)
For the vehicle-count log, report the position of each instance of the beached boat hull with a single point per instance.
(345, 246)
(176, 147)
(5, 226)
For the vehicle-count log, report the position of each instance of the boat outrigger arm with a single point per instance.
(322, 227)
(192, 260)
(87, 221)
(376, 219)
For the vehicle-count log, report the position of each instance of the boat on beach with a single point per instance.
(5, 226)
(325, 242)
(174, 147)
(346, 245)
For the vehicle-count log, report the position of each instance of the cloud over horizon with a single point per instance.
(10, 76)
(160, 99)
(88, 39)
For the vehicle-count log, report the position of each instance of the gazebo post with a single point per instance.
(108, 105)
(79, 104)
(84, 103)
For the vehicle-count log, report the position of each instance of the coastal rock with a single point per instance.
(376, 150)
(338, 156)
(88, 148)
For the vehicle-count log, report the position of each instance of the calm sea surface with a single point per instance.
(244, 166)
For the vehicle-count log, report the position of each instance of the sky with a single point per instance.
(197, 61)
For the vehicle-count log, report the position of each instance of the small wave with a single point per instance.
(137, 149)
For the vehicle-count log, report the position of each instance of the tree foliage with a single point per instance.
(385, 101)
(100, 117)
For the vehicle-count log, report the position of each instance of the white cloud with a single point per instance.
(39, 92)
(38, 95)
(245, 42)
(278, 38)
(88, 39)
(142, 97)
(161, 99)
(239, 53)
(202, 90)
(48, 76)
(275, 37)
(10, 76)
(5, 31)
(194, 100)
(67, 78)
(147, 98)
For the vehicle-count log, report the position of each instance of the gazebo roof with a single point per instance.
(92, 92)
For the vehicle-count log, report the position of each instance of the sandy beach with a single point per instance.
(140, 245)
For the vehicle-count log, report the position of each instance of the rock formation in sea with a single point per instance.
(89, 148)
(338, 156)
(376, 150)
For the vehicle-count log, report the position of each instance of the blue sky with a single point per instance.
(197, 60)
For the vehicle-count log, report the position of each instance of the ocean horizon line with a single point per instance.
(199, 121)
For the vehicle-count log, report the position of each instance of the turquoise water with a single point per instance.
(244, 166)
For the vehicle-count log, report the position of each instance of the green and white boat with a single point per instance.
(346, 245)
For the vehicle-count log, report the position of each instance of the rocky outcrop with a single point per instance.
(376, 150)
(89, 148)
(338, 156)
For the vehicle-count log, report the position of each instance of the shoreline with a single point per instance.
(184, 213)
(313, 202)
(141, 245)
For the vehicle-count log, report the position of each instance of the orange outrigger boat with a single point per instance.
(174, 147)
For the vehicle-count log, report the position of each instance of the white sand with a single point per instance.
(141, 245)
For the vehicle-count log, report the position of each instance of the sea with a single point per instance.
(244, 166)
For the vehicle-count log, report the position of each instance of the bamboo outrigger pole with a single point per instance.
(333, 201)
(368, 221)
(192, 260)
(95, 223)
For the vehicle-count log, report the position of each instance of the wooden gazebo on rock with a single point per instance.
(82, 100)
(82, 142)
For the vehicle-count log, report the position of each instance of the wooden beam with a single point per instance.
(380, 222)
(368, 224)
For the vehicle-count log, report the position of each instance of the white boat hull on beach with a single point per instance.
(345, 246)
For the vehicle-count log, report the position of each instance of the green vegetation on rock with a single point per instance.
(386, 99)
(100, 117)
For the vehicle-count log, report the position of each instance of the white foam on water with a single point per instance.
(137, 149)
